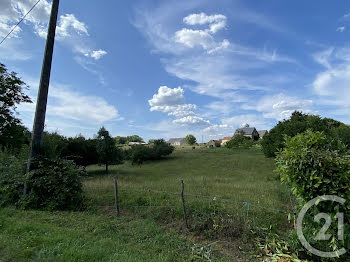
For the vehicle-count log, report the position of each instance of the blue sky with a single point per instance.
(164, 69)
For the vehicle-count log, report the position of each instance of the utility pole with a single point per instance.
(40, 112)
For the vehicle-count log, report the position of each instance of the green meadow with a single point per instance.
(227, 193)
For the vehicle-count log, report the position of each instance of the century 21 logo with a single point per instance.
(322, 235)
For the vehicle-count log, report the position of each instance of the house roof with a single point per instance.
(215, 141)
(227, 138)
(262, 132)
(246, 130)
(174, 140)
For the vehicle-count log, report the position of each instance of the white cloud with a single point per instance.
(204, 38)
(64, 104)
(332, 85)
(323, 57)
(98, 54)
(202, 18)
(172, 102)
(70, 31)
(346, 16)
(69, 24)
(280, 106)
(192, 38)
(196, 121)
(77, 106)
(167, 96)
(341, 29)
(216, 22)
(254, 120)
(6, 28)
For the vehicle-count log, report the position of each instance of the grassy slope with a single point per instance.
(98, 236)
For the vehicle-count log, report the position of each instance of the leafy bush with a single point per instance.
(140, 153)
(240, 141)
(299, 123)
(313, 165)
(12, 170)
(190, 139)
(54, 185)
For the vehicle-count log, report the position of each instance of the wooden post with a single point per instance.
(183, 203)
(116, 196)
(40, 111)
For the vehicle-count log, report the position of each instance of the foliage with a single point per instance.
(54, 184)
(272, 248)
(342, 132)
(299, 123)
(240, 141)
(122, 140)
(158, 150)
(313, 165)
(79, 149)
(12, 134)
(83, 151)
(190, 139)
(107, 150)
(12, 170)
(53, 145)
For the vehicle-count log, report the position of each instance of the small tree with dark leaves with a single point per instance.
(106, 148)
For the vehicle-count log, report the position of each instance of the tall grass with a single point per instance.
(216, 180)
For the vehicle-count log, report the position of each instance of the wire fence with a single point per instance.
(190, 205)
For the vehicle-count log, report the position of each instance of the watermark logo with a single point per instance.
(322, 235)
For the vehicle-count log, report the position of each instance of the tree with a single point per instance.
(190, 139)
(120, 140)
(298, 123)
(12, 133)
(158, 150)
(314, 165)
(239, 140)
(107, 150)
(134, 138)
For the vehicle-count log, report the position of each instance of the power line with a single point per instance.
(20, 21)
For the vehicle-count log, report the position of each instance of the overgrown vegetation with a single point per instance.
(156, 151)
(190, 139)
(313, 165)
(12, 134)
(299, 123)
(240, 141)
(124, 140)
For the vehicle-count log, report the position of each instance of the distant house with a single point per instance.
(225, 140)
(177, 141)
(250, 132)
(262, 133)
(214, 143)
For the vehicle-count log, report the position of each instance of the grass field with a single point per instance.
(226, 191)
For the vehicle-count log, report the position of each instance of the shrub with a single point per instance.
(313, 165)
(190, 139)
(54, 185)
(240, 141)
(299, 123)
(140, 153)
(12, 170)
